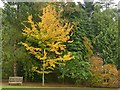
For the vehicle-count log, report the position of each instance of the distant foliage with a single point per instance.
(12, 24)
(105, 32)
(77, 69)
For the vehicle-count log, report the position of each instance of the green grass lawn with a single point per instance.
(51, 88)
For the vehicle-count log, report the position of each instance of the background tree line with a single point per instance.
(94, 37)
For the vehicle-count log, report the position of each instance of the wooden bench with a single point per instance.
(15, 80)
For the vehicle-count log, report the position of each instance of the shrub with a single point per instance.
(110, 75)
(96, 69)
(119, 77)
(103, 75)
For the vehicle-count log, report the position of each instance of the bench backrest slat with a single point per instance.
(15, 79)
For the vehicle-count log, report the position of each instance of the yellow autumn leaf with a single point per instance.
(70, 41)
(30, 18)
(58, 53)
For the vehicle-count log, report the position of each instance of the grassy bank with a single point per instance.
(51, 88)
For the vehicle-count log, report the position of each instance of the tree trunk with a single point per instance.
(63, 79)
(43, 75)
(14, 68)
(25, 75)
(14, 62)
(43, 78)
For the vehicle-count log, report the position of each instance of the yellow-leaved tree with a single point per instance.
(46, 40)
